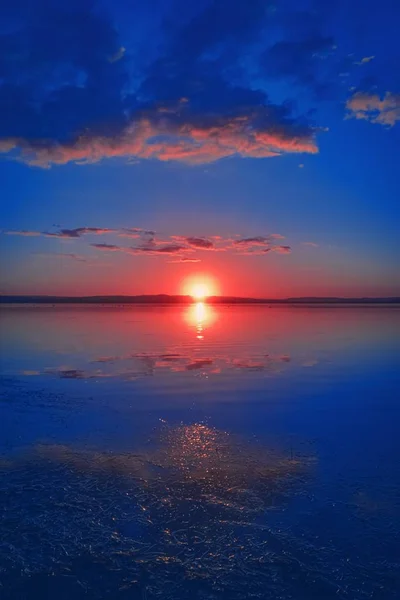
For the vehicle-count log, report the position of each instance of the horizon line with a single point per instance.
(185, 298)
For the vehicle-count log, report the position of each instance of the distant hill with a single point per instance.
(177, 299)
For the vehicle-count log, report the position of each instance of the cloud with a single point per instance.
(176, 246)
(370, 107)
(313, 244)
(24, 232)
(86, 102)
(70, 255)
(147, 248)
(185, 259)
(252, 241)
(260, 245)
(253, 251)
(133, 232)
(282, 249)
(118, 55)
(258, 132)
(154, 249)
(364, 60)
(75, 233)
(107, 247)
(78, 232)
(200, 243)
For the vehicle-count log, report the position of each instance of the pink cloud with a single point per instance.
(200, 243)
(153, 248)
(258, 240)
(282, 249)
(259, 245)
(181, 141)
(185, 259)
(253, 251)
(370, 107)
(178, 246)
(132, 232)
(107, 247)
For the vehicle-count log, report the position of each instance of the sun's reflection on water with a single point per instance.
(201, 316)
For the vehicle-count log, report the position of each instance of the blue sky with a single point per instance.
(253, 142)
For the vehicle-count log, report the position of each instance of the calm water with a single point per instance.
(200, 452)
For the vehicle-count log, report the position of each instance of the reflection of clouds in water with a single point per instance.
(199, 363)
(148, 364)
(310, 363)
(180, 515)
(199, 316)
(202, 356)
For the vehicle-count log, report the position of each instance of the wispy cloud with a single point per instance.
(69, 255)
(259, 245)
(117, 55)
(202, 243)
(154, 249)
(133, 232)
(372, 108)
(185, 259)
(282, 249)
(312, 244)
(151, 248)
(252, 241)
(107, 247)
(25, 233)
(196, 242)
(247, 246)
(364, 60)
(176, 246)
(64, 233)
(78, 232)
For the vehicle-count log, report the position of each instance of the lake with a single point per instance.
(203, 452)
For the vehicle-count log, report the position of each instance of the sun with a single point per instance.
(200, 291)
(200, 286)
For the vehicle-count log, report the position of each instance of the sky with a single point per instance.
(251, 145)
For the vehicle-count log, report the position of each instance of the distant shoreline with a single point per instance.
(163, 299)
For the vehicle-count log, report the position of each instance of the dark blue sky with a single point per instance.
(252, 142)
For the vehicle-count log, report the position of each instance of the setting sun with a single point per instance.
(200, 286)
(200, 291)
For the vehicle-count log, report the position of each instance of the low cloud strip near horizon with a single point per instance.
(177, 248)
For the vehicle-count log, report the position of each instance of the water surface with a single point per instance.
(200, 451)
